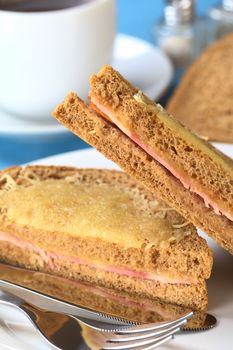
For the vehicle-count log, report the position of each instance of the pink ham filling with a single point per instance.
(52, 259)
(105, 293)
(185, 181)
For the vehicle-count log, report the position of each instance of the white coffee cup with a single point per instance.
(46, 54)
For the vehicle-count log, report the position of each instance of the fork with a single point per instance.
(125, 335)
(142, 337)
(19, 296)
(114, 337)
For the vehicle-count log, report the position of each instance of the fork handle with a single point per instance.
(31, 312)
(7, 298)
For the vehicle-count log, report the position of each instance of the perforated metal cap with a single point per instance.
(179, 11)
(228, 5)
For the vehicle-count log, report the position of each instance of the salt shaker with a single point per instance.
(220, 20)
(180, 34)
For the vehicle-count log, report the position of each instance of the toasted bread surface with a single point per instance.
(203, 99)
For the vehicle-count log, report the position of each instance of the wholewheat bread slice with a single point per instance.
(118, 304)
(203, 99)
(99, 226)
(134, 160)
(198, 166)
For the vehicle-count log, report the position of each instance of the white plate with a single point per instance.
(16, 333)
(143, 64)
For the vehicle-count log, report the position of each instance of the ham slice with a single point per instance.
(52, 259)
(106, 113)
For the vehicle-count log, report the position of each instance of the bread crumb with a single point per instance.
(139, 97)
(181, 225)
(9, 182)
(203, 137)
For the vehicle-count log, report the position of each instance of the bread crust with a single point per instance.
(203, 99)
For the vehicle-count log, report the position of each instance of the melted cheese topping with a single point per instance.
(99, 211)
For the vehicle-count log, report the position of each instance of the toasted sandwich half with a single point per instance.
(101, 227)
(182, 169)
(109, 301)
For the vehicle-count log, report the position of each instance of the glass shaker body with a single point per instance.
(220, 23)
(182, 42)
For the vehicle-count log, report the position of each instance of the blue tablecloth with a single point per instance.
(135, 17)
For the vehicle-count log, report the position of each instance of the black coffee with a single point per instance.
(39, 5)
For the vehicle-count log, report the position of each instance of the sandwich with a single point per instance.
(103, 228)
(118, 304)
(150, 145)
(203, 99)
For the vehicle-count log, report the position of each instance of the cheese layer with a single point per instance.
(83, 210)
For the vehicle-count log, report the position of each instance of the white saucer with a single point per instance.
(146, 66)
(143, 64)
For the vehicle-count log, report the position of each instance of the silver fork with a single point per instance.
(59, 329)
(119, 336)
(142, 337)
(124, 335)
(17, 296)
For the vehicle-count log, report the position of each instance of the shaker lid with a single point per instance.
(179, 12)
(227, 5)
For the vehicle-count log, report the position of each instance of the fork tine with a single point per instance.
(156, 344)
(136, 344)
(153, 333)
(152, 326)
